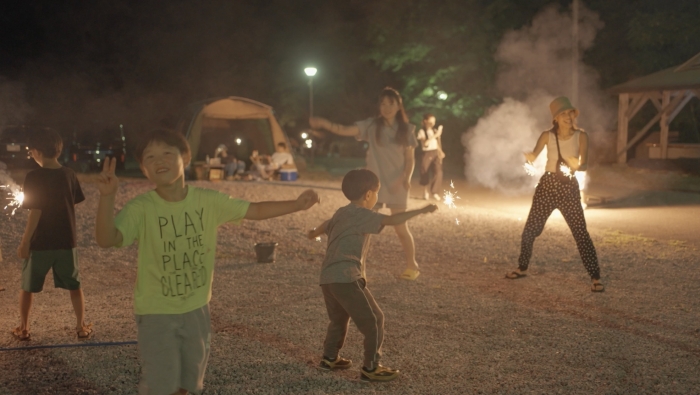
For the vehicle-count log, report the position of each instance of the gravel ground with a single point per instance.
(460, 328)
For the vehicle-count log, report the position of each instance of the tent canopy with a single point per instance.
(241, 124)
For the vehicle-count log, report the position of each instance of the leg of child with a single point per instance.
(359, 303)
(406, 239)
(338, 325)
(78, 301)
(25, 305)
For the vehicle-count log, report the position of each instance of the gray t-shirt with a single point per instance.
(348, 242)
(386, 160)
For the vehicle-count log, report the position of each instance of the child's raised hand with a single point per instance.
(107, 181)
(307, 199)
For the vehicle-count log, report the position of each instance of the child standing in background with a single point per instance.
(49, 241)
(343, 279)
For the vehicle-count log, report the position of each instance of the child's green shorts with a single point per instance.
(174, 350)
(65, 269)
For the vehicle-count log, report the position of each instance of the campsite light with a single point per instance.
(442, 95)
(309, 143)
(304, 135)
(238, 141)
(311, 72)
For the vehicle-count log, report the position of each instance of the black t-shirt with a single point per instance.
(55, 192)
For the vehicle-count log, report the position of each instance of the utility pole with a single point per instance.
(575, 55)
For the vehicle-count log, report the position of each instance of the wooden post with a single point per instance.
(622, 124)
(665, 100)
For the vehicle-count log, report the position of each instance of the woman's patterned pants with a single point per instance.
(551, 194)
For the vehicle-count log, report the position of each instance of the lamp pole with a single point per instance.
(311, 72)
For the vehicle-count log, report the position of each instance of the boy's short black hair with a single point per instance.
(282, 144)
(357, 182)
(47, 141)
(164, 136)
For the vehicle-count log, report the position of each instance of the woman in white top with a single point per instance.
(567, 147)
(390, 156)
(429, 138)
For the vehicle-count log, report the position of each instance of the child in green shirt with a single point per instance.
(175, 226)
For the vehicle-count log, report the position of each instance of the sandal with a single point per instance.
(597, 287)
(410, 274)
(514, 275)
(21, 334)
(85, 332)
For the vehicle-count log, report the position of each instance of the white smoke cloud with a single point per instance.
(535, 67)
(13, 105)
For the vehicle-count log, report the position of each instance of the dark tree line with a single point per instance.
(97, 64)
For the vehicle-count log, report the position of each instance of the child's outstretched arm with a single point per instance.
(32, 222)
(319, 230)
(265, 210)
(107, 182)
(398, 219)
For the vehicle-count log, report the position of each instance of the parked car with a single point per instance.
(88, 151)
(13, 147)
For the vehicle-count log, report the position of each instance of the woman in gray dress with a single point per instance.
(390, 156)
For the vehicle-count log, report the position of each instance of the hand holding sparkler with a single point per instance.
(23, 250)
(315, 233)
(530, 157)
(573, 163)
(107, 181)
(429, 208)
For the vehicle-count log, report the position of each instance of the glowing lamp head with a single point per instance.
(310, 71)
(442, 95)
(309, 143)
(304, 135)
(238, 141)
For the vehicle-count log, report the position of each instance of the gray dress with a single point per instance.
(386, 160)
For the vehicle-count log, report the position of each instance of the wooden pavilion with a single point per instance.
(669, 91)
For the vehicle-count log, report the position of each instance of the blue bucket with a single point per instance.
(288, 174)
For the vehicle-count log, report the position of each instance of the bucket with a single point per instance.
(288, 174)
(265, 252)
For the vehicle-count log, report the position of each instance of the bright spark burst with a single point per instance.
(318, 238)
(449, 198)
(566, 170)
(15, 196)
(530, 169)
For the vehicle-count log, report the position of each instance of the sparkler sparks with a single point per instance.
(318, 238)
(566, 170)
(449, 198)
(530, 169)
(15, 196)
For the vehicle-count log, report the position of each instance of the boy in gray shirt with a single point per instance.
(343, 279)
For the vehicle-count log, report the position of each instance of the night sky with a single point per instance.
(82, 66)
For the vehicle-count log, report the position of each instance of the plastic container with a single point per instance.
(265, 252)
(288, 174)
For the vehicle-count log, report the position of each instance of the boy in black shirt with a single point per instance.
(50, 193)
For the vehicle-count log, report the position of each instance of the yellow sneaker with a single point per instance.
(339, 363)
(380, 373)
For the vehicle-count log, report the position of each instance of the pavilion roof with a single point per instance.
(684, 76)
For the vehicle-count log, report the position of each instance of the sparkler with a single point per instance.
(15, 196)
(449, 197)
(566, 170)
(529, 169)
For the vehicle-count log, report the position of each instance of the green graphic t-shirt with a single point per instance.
(177, 246)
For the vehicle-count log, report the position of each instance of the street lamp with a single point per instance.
(311, 72)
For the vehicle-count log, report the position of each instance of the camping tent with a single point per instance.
(243, 125)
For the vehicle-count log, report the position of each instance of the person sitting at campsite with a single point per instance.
(232, 165)
(268, 165)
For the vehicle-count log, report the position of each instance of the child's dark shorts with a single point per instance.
(65, 269)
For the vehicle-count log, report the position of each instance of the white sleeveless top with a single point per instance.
(568, 148)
